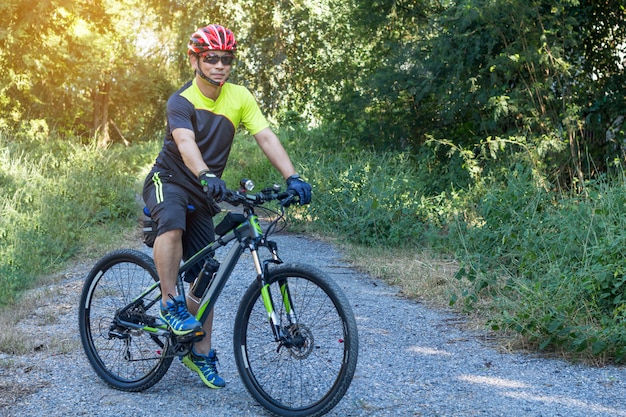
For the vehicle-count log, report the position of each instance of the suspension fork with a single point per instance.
(284, 291)
(284, 287)
(266, 296)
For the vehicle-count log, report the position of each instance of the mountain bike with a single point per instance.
(295, 339)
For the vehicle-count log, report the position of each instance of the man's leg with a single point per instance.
(200, 232)
(167, 256)
(167, 253)
(202, 359)
(167, 203)
(203, 346)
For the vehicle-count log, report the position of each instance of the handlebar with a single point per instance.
(285, 198)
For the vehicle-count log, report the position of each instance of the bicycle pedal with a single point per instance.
(192, 337)
(198, 335)
(181, 345)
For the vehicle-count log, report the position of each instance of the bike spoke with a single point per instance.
(310, 369)
(126, 357)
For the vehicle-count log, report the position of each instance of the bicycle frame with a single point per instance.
(250, 236)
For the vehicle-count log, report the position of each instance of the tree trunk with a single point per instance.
(576, 162)
(101, 115)
(119, 132)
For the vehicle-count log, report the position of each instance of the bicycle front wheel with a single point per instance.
(310, 369)
(125, 356)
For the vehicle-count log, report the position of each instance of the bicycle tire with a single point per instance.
(297, 382)
(135, 360)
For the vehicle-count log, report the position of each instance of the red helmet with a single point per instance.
(212, 37)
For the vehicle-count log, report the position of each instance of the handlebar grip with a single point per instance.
(286, 198)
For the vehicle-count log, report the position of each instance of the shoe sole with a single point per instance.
(192, 366)
(183, 332)
(180, 332)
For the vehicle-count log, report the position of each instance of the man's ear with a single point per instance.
(193, 61)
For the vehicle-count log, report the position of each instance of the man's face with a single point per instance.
(216, 64)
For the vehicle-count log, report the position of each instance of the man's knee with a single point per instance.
(170, 234)
(169, 237)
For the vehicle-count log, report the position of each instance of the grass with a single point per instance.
(60, 198)
(550, 267)
(421, 275)
(545, 269)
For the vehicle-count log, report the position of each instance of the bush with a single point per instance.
(55, 193)
(554, 269)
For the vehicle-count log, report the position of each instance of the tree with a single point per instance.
(523, 77)
(380, 97)
(76, 64)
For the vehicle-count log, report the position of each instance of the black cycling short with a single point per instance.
(169, 205)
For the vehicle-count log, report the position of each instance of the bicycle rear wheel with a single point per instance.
(310, 376)
(127, 358)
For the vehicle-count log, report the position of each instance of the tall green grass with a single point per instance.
(549, 266)
(59, 196)
(552, 266)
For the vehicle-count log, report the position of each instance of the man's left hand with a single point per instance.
(301, 187)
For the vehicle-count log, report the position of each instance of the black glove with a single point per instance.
(213, 186)
(301, 187)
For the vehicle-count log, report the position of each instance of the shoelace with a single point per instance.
(178, 308)
(209, 363)
(209, 366)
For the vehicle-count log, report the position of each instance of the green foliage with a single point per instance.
(473, 70)
(55, 193)
(384, 74)
(80, 65)
(370, 198)
(553, 268)
(248, 161)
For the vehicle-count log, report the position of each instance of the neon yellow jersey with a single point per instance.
(213, 122)
(235, 103)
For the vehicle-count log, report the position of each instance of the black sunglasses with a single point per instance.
(214, 59)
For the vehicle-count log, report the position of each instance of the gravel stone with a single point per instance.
(413, 361)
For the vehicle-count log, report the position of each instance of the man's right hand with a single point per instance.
(213, 186)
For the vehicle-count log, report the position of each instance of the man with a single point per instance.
(202, 118)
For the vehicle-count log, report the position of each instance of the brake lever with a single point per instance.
(233, 198)
(286, 202)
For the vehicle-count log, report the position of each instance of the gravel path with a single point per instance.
(414, 361)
